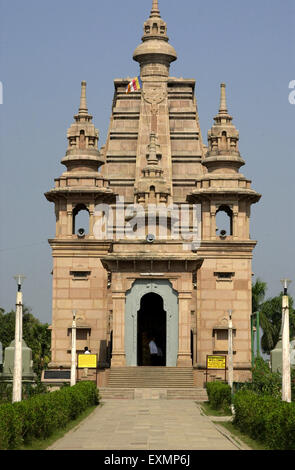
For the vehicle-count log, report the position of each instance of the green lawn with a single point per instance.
(254, 445)
(211, 412)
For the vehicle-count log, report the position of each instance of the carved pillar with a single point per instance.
(118, 354)
(184, 346)
(194, 347)
(213, 220)
(235, 221)
(57, 224)
(70, 219)
(91, 220)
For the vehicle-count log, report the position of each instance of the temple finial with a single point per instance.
(83, 110)
(155, 13)
(223, 105)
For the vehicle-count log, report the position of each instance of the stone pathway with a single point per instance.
(144, 425)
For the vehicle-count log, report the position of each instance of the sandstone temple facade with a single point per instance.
(127, 286)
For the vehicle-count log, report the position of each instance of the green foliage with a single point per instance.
(293, 384)
(28, 391)
(258, 293)
(10, 427)
(39, 416)
(264, 380)
(266, 419)
(270, 311)
(219, 395)
(36, 335)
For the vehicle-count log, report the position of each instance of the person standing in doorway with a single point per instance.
(153, 352)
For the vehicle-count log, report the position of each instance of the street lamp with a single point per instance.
(286, 366)
(18, 366)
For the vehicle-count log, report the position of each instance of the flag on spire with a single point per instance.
(134, 85)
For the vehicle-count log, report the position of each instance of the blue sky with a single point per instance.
(47, 48)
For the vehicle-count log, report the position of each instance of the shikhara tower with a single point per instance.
(126, 290)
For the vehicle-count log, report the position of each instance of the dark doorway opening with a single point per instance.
(151, 323)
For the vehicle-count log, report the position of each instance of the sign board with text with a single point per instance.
(216, 362)
(88, 361)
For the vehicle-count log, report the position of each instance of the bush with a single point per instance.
(219, 395)
(264, 380)
(266, 419)
(39, 416)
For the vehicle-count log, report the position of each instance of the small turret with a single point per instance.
(223, 153)
(82, 153)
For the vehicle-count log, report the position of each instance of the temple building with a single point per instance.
(175, 270)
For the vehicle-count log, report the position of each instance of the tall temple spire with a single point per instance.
(155, 13)
(223, 105)
(83, 110)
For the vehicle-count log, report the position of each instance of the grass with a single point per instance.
(209, 411)
(236, 433)
(43, 444)
(254, 445)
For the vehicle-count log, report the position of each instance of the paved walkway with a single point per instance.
(146, 424)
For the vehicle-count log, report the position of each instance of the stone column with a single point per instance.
(194, 347)
(70, 219)
(235, 222)
(91, 220)
(118, 354)
(184, 340)
(213, 221)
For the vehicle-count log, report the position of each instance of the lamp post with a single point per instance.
(257, 326)
(73, 366)
(230, 350)
(286, 366)
(17, 369)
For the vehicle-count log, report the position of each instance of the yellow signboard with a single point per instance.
(87, 361)
(216, 362)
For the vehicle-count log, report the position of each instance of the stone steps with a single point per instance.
(170, 383)
(151, 377)
(196, 394)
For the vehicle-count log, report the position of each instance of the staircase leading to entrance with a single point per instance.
(152, 382)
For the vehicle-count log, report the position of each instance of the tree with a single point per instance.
(272, 310)
(270, 315)
(259, 289)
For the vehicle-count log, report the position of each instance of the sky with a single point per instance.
(48, 48)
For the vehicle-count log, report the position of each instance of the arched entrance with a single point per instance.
(151, 323)
(141, 311)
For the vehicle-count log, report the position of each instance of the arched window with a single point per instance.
(82, 140)
(80, 219)
(224, 221)
(155, 28)
(224, 140)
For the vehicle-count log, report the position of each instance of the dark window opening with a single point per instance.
(224, 221)
(80, 219)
